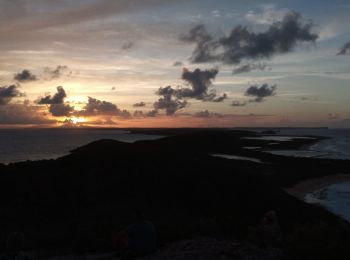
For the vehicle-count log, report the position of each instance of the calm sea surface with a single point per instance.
(35, 144)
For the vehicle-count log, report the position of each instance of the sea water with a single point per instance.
(36, 144)
(336, 147)
(336, 198)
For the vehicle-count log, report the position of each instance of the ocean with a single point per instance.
(335, 198)
(36, 144)
(337, 147)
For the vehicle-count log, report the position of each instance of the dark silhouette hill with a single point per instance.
(76, 203)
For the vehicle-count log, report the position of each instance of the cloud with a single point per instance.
(152, 113)
(61, 109)
(168, 102)
(249, 67)
(220, 98)
(96, 107)
(260, 93)
(57, 106)
(345, 49)
(7, 93)
(204, 113)
(127, 46)
(243, 44)
(270, 14)
(140, 104)
(24, 114)
(24, 76)
(238, 104)
(207, 114)
(206, 44)
(56, 72)
(140, 113)
(57, 98)
(178, 64)
(200, 81)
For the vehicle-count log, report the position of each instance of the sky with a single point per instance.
(166, 63)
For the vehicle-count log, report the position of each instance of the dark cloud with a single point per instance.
(96, 107)
(200, 81)
(22, 114)
(140, 104)
(168, 102)
(204, 113)
(24, 76)
(124, 114)
(178, 64)
(57, 72)
(152, 113)
(261, 92)
(57, 98)
(243, 44)
(206, 44)
(127, 46)
(207, 114)
(249, 67)
(345, 50)
(61, 109)
(238, 104)
(220, 98)
(7, 93)
(140, 113)
(57, 106)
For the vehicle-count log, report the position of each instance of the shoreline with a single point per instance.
(303, 188)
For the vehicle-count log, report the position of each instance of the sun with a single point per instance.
(78, 120)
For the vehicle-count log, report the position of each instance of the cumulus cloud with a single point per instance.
(243, 44)
(127, 46)
(96, 107)
(345, 49)
(24, 114)
(177, 64)
(7, 93)
(60, 109)
(57, 107)
(59, 71)
(249, 67)
(199, 81)
(269, 15)
(24, 76)
(220, 98)
(168, 102)
(238, 104)
(204, 113)
(207, 114)
(140, 113)
(139, 104)
(57, 98)
(260, 93)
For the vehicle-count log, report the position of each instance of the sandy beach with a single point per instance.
(300, 190)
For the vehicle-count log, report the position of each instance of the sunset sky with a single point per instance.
(166, 63)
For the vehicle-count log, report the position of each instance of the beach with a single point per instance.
(303, 188)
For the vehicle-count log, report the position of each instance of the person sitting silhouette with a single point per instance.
(138, 239)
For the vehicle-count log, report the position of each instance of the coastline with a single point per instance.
(303, 188)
